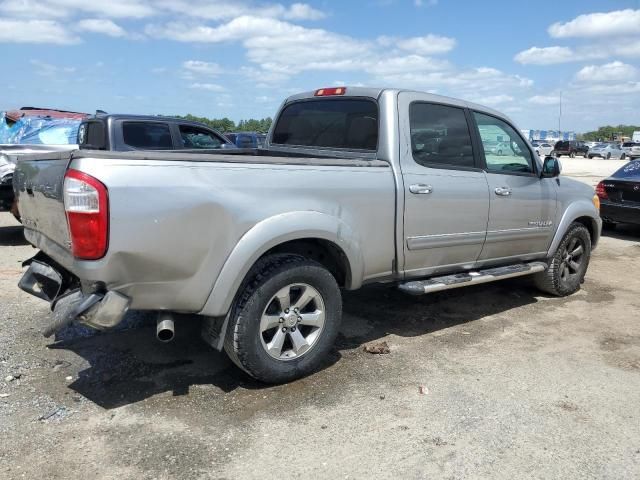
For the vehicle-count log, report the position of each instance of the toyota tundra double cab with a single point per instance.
(355, 186)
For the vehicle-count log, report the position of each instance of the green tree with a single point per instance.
(610, 132)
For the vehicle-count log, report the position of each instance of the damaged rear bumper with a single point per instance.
(100, 309)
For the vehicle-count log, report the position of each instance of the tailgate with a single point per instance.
(37, 183)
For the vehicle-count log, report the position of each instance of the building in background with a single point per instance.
(549, 136)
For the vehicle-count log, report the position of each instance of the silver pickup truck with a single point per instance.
(355, 186)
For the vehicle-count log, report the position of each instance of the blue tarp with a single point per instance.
(39, 131)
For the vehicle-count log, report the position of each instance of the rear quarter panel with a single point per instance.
(174, 225)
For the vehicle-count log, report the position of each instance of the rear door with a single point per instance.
(523, 205)
(446, 195)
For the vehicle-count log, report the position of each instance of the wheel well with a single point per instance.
(588, 223)
(322, 251)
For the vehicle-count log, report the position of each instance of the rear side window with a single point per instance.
(245, 141)
(147, 135)
(337, 123)
(440, 136)
(630, 171)
(92, 135)
(194, 137)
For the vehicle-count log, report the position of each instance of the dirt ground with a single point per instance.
(493, 381)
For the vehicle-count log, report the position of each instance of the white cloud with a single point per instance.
(616, 23)
(545, 99)
(546, 56)
(66, 8)
(211, 87)
(35, 31)
(303, 11)
(609, 72)
(48, 70)
(101, 25)
(427, 45)
(198, 67)
(556, 55)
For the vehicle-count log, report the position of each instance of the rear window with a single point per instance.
(147, 135)
(344, 123)
(630, 171)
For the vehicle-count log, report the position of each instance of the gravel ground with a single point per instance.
(493, 381)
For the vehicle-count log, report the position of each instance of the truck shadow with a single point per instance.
(12, 236)
(623, 232)
(131, 365)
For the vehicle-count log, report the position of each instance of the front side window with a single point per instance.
(330, 123)
(505, 151)
(194, 137)
(147, 135)
(440, 136)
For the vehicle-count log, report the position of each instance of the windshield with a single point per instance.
(345, 123)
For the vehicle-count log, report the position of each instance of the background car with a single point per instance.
(620, 196)
(572, 148)
(631, 149)
(543, 149)
(591, 144)
(607, 151)
(498, 148)
(247, 139)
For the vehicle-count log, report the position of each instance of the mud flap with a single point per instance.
(214, 330)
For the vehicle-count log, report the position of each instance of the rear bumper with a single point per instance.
(619, 213)
(49, 281)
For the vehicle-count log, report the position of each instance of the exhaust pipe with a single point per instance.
(165, 330)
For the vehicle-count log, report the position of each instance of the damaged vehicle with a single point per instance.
(354, 186)
(28, 131)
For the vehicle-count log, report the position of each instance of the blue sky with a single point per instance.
(241, 58)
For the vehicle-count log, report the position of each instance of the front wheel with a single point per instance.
(609, 156)
(285, 320)
(568, 265)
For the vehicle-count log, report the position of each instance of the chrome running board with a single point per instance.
(447, 282)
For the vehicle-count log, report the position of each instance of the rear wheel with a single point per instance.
(285, 320)
(623, 156)
(568, 265)
(572, 155)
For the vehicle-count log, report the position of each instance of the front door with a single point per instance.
(523, 205)
(446, 197)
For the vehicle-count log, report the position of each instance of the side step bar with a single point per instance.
(436, 284)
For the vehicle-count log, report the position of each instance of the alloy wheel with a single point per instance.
(292, 321)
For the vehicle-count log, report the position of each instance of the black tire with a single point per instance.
(609, 156)
(623, 157)
(499, 152)
(572, 155)
(591, 156)
(553, 280)
(243, 340)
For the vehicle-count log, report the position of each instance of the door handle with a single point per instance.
(503, 191)
(420, 189)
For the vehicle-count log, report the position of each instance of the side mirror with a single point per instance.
(551, 168)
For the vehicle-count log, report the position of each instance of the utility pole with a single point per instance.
(560, 117)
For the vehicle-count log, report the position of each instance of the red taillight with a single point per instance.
(601, 192)
(327, 92)
(86, 202)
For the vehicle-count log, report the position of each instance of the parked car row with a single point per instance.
(575, 148)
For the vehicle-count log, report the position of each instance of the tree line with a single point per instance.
(610, 132)
(227, 125)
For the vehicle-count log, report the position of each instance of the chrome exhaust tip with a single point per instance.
(165, 330)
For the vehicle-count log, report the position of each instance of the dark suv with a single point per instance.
(571, 148)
